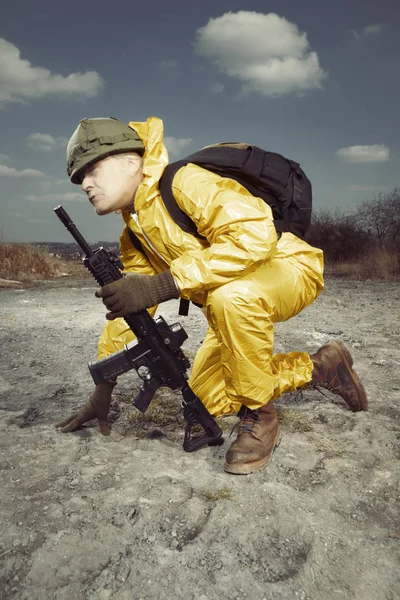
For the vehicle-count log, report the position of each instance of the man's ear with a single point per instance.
(134, 161)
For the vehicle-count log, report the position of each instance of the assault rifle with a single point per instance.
(156, 353)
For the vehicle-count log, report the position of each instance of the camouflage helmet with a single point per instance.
(97, 138)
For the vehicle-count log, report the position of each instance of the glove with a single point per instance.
(96, 407)
(135, 292)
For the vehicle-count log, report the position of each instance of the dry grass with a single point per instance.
(75, 268)
(380, 264)
(295, 420)
(227, 423)
(329, 449)
(223, 493)
(23, 262)
(164, 410)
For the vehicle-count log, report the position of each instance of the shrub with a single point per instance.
(23, 262)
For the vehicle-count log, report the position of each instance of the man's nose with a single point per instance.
(86, 184)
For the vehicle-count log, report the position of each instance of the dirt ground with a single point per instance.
(133, 516)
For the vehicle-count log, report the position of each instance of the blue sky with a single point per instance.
(316, 81)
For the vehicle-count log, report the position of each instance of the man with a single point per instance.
(246, 278)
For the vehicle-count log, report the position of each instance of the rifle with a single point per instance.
(156, 354)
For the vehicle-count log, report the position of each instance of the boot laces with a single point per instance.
(248, 419)
(335, 389)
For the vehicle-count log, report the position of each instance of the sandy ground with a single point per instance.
(134, 517)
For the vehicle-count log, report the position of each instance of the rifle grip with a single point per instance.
(146, 394)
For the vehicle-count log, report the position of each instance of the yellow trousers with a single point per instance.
(235, 364)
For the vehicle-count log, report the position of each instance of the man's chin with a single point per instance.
(101, 211)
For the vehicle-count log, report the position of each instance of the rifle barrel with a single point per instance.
(68, 223)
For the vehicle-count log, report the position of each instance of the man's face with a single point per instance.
(111, 183)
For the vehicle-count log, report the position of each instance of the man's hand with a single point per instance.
(135, 292)
(96, 407)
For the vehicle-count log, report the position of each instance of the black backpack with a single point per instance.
(280, 182)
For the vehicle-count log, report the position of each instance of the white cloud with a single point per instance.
(176, 145)
(366, 31)
(4, 158)
(11, 172)
(366, 188)
(58, 198)
(21, 82)
(46, 142)
(365, 154)
(265, 52)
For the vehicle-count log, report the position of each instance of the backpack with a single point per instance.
(280, 182)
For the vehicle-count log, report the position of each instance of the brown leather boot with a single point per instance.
(333, 370)
(258, 434)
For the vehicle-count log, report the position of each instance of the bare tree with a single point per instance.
(338, 234)
(380, 218)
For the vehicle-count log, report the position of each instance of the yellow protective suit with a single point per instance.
(241, 273)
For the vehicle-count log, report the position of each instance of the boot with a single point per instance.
(333, 370)
(258, 433)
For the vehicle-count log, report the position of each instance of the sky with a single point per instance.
(315, 81)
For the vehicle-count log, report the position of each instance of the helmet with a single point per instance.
(97, 138)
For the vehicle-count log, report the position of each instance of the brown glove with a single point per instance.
(96, 407)
(135, 292)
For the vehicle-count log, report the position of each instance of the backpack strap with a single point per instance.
(165, 187)
(136, 243)
(184, 306)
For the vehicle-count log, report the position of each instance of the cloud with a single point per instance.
(366, 31)
(366, 188)
(11, 172)
(217, 88)
(176, 145)
(28, 219)
(21, 82)
(371, 29)
(4, 158)
(365, 154)
(168, 64)
(265, 52)
(46, 142)
(46, 186)
(170, 67)
(58, 198)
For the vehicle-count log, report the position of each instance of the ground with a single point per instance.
(133, 516)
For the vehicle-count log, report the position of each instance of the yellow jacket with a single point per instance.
(239, 231)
